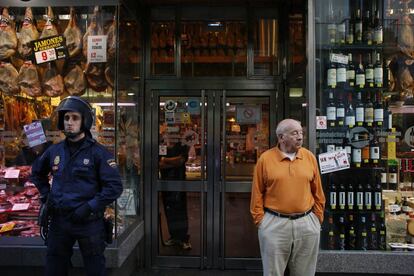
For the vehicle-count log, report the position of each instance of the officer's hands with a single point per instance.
(81, 213)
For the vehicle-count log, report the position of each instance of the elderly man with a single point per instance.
(287, 204)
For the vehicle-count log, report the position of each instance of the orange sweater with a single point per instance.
(286, 186)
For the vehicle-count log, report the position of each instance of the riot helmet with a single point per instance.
(75, 104)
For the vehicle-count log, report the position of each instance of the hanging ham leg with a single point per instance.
(95, 76)
(8, 37)
(73, 35)
(8, 79)
(28, 33)
(94, 28)
(112, 39)
(52, 82)
(29, 80)
(75, 82)
(49, 29)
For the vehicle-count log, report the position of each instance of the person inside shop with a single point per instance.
(85, 180)
(172, 167)
(287, 204)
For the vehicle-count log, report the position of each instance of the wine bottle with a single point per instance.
(331, 110)
(342, 195)
(368, 111)
(378, 110)
(360, 74)
(340, 111)
(350, 113)
(378, 72)
(350, 31)
(350, 72)
(360, 196)
(332, 193)
(331, 73)
(392, 176)
(374, 151)
(365, 149)
(368, 195)
(331, 27)
(378, 29)
(352, 236)
(367, 28)
(382, 240)
(359, 110)
(358, 27)
(362, 238)
(350, 196)
(369, 72)
(378, 193)
(341, 74)
(341, 236)
(331, 234)
(372, 235)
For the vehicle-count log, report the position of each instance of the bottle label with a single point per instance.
(340, 112)
(368, 202)
(350, 38)
(341, 28)
(358, 31)
(341, 75)
(392, 178)
(350, 121)
(378, 76)
(350, 200)
(378, 200)
(350, 75)
(342, 200)
(383, 177)
(360, 200)
(378, 37)
(332, 77)
(356, 155)
(331, 113)
(359, 114)
(369, 115)
(331, 27)
(374, 153)
(369, 75)
(360, 80)
(332, 200)
(330, 148)
(379, 115)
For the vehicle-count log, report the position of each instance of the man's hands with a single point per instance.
(81, 213)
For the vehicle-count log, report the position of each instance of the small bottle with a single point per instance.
(368, 111)
(331, 234)
(340, 111)
(382, 239)
(378, 110)
(373, 235)
(341, 236)
(331, 73)
(378, 29)
(350, 113)
(360, 74)
(367, 31)
(332, 193)
(341, 74)
(369, 72)
(350, 32)
(331, 110)
(360, 196)
(331, 27)
(342, 196)
(368, 195)
(358, 27)
(359, 110)
(341, 29)
(350, 196)
(378, 72)
(350, 72)
(362, 235)
(352, 236)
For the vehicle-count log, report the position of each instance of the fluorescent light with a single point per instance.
(112, 104)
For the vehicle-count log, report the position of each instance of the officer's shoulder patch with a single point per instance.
(111, 163)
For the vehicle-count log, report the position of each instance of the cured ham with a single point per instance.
(95, 75)
(52, 82)
(29, 80)
(73, 35)
(75, 82)
(94, 28)
(8, 37)
(112, 39)
(28, 33)
(8, 78)
(49, 29)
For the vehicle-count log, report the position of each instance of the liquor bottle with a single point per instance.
(378, 29)
(367, 28)
(359, 110)
(362, 239)
(340, 111)
(341, 236)
(374, 152)
(360, 74)
(387, 74)
(377, 193)
(368, 111)
(331, 26)
(378, 110)
(350, 31)
(332, 193)
(368, 195)
(350, 196)
(369, 72)
(331, 110)
(356, 157)
(340, 29)
(352, 236)
(341, 74)
(350, 72)
(360, 196)
(350, 113)
(392, 176)
(358, 27)
(382, 239)
(373, 235)
(331, 73)
(342, 195)
(378, 72)
(331, 234)
(365, 149)
(384, 176)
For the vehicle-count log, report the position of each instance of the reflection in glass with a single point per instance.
(266, 39)
(162, 48)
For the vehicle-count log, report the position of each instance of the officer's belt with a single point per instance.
(66, 212)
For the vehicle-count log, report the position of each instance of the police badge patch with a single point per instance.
(57, 160)
(85, 161)
(111, 163)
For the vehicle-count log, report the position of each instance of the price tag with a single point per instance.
(54, 101)
(7, 227)
(12, 173)
(45, 56)
(338, 58)
(20, 206)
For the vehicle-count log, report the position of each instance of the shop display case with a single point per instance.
(364, 92)
(49, 51)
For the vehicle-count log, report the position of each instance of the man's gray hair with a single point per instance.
(283, 126)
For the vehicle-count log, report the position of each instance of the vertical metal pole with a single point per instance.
(311, 82)
(223, 178)
(202, 189)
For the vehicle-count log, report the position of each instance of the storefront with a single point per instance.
(206, 82)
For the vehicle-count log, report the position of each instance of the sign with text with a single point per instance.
(97, 48)
(248, 114)
(333, 161)
(35, 134)
(49, 49)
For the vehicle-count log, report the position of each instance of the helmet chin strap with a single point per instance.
(72, 135)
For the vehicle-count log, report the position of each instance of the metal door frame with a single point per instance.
(212, 231)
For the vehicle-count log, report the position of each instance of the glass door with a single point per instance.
(205, 146)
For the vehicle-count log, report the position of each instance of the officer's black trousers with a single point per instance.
(62, 236)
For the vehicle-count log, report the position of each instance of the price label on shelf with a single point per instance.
(45, 56)
(338, 58)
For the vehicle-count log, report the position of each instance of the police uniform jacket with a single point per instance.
(89, 175)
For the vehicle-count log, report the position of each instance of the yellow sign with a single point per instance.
(7, 227)
(48, 43)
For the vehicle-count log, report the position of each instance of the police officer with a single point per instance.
(85, 180)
